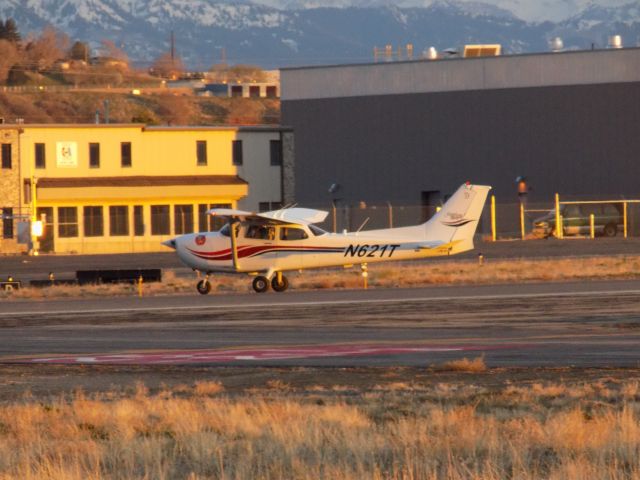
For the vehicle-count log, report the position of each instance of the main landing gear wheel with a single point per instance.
(279, 286)
(204, 287)
(260, 284)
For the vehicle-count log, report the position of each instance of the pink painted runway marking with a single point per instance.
(174, 357)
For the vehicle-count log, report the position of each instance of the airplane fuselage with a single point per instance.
(210, 252)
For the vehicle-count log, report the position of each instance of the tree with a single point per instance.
(79, 51)
(167, 67)
(42, 53)
(9, 31)
(9, 56)
(112, 51)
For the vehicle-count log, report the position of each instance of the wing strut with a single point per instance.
(234, 245)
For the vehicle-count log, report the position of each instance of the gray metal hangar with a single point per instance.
(408, 132)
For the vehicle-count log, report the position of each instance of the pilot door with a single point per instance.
(258, 247)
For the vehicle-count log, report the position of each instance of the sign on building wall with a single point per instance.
(67, 154)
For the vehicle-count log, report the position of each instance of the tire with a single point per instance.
(260, 284)
(203, 287)
(279, 287)
(610, 230)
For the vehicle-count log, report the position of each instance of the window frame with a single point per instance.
(39, 152)
(182, 211)
(7, 156)
(237, 153)
(7, 223)
(126, 155)
(119, 227)
(94, 155)
(201, 153)
(67, 224)
(138, 221)
(93, 228)
(275, 153)
(164, 227)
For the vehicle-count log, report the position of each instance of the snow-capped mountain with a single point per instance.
(301, 32)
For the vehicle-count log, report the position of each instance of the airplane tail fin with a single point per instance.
(458, 219)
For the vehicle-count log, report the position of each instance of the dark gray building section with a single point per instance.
(576, 139)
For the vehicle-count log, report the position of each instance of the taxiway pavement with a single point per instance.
(585, 324)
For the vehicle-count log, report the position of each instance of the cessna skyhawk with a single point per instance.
(270, 243)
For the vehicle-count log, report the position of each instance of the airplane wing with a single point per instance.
(301, 216)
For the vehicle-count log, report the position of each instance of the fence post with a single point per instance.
(522, 233)
(624, 208)
(592, 226)
(493, 218)
(558, 226)
(390, 207)
(334, 212)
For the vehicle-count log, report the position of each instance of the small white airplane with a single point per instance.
(270, 243)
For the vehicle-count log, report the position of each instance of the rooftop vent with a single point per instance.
(615, 41)
(556, 44)
(482, 50)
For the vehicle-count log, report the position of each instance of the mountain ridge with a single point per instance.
(207, 31)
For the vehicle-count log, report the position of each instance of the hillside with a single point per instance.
(156, 107)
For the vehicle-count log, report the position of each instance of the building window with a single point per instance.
(203, 218)
(269, 206)
(201, 152)
(6, 155)
(138, 220)
(237, 152)
(216, 222)
(236, 90)
(94, 155)
(275, 146)
(183, 219)
(160, 224)
(7, 223)
(41, 161)
(125, 154)
(119, 221)
(254, 91)
(67, 222)
(93, 222)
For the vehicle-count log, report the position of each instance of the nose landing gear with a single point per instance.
(204, 286)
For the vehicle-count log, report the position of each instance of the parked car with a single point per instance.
(608, 219)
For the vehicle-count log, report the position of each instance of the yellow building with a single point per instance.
(126, 188)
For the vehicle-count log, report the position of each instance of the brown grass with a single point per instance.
(407, 274)
(475, 365)
(412, 431)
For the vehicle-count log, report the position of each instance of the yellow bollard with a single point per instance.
(140, 286)
(624, 208)
(494, 234)
(592, 225)
(522, 232)
(480, 259)
(365, 275)
(558, 221)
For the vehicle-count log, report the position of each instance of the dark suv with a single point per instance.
(576, 220)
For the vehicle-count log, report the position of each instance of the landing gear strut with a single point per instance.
(204, 286)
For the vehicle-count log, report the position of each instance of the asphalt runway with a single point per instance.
(586, 324)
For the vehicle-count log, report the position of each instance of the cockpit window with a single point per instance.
(292, 233)
(317, 231)
(261, 232)
(226, 232)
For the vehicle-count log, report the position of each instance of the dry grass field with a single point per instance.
(380, 275)
(471, 426)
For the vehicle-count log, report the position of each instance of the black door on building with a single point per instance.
(431, 200)
(46, 240)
